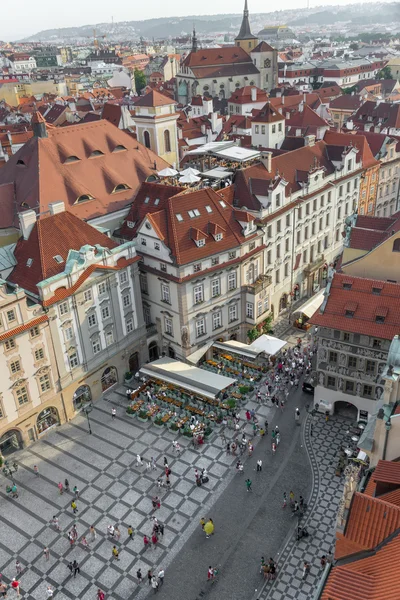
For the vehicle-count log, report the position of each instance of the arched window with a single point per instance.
(167, 141)
(396, 245)
(146, 138)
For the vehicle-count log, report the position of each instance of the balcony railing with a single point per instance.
(315, 264)
(151, 329)
(258, 286)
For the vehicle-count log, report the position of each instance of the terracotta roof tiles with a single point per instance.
(364, 319)
(21, 328)
(153, 99)
(387, 471)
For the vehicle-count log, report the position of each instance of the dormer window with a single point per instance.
(200, 243)
(349, 313)
(71, 159)
(84, 198)
(96, 153)
(218, 237)
(379, 319)
(347, 286)
(131, 224)
(120, 187)
(20, 163)
(59, 259)
(119, 148)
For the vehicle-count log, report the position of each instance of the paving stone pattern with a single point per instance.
(320, 518)
(113, 490)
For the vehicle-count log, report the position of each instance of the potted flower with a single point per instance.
(158, 421)
(130, 411)
(207, 431)
(173, 427)
(128, 376)
(142, 415)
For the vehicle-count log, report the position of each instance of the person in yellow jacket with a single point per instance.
(209, 528)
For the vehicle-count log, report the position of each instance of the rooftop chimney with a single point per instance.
(266, 159)
(253, 94)
(57, 207)
(27, 220)
(39, 125)
(309, 140)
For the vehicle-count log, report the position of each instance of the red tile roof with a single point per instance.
(263, 47)
(306, 118)
(387, 471)
(346, 102)
(154, 98)
(48, 176)
(216, 56)
(268, 114)
(52, 235)
(243, 95)
(178, 235)
(369, 232)
(112, 113)
(384, 115)
(359, 141)
(376, 577)
(363, 321)
(21, 328)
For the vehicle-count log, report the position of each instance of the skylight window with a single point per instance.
(156, 201)
(179, 217)
(208, 209)
(191, 214)
(59, 259)
(29, 262)
(222, 203)
(196, 212)
(147, 200)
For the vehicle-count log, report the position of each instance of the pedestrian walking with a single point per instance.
(60, 487)
(209, 528)
(146, 542)
(154, 584)
(149, 576)
(139, 575)
(148, 466)
(3, 590)
(259, 465)
(46, 553)
(15, 586)
(202, 522)
(161, 528)
(85, 543)
(115, 553)
(278, 438)
(36, 470)
(130, 532)
(74, 507)
(113, 413)
(323, 561)
(153, 463)
(154, 539)
(66, 485)
(70, 567)
(139, 462)
(210, 574)
(117, 533)
(75, 566)
(100, 594)
(71, 539)
(161, 575)
(74, 532)
(284, 500)
(248, 485)
(93, 533)
(329, 557)
(56, 523)
(18, 568)
(291, 497)
(301, 503)
(156, 502)
(110, 530)
(49, 592)
(76, 492)
(311, 429)
(306, 569)
(297, 416)
(273, 447)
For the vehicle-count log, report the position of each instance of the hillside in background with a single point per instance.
(169, 27)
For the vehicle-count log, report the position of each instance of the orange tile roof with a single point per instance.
(52, 235)
(370, 522)
(376, 577)
(21, 328)
(392, 497)
(268, 114)
(48, 176)
(387, 471)
(364, 319)
(154, 98)
(359, 141)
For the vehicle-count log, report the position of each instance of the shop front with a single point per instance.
(47, 419)
(316, 274)
(109, 378)
(10, 442)
(82, 396)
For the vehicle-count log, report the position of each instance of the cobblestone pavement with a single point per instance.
(322, 441)
(113, 490)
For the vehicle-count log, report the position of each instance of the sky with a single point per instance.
(25, 17)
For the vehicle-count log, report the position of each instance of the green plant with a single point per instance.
(243, 389)
(130, 410)
(231, 403)
(174, 427)
(142, 414)
(140, 80)
(158, 420)
(128, 375)
(208, 430)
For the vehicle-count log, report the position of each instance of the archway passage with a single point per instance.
(171, 352)
(283, 302)
(153, 351)
(109, 378)
(10, 442)
(233, 336)
(47, 418)
(134, 362)
(82, 396)
(346, 410)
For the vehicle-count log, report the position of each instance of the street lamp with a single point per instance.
(88, 409)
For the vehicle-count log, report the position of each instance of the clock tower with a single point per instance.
(245, 39)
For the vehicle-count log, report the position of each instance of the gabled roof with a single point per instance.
(179, 225)
(111, 113)
(384, 114)
(369, 232)
(41, 172)
(360, 295)
(268, 114)
(263, 47)
(306, 119)
(243, 95)
(154, 98)
(359, 141)
(346, 102)
(207, 57)
(52, 235)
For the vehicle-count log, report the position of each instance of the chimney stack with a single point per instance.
(57, 207)
(39, 125)
(27, 220)
(254, 94)
(309, 140)
(266, 159)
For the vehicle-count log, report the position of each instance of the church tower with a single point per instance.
(194, 40)
(245, 39)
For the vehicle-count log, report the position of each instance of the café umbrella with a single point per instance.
(189, 179)
(190, 171)
(168, 172)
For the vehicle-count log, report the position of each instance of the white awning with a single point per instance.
(217, 174)
(312, 305)
(268, 344)
(238, 348)
(198, 354)
(192, 379)
(238, 153)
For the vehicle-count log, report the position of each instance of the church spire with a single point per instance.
(194, 39)
(245, 31)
